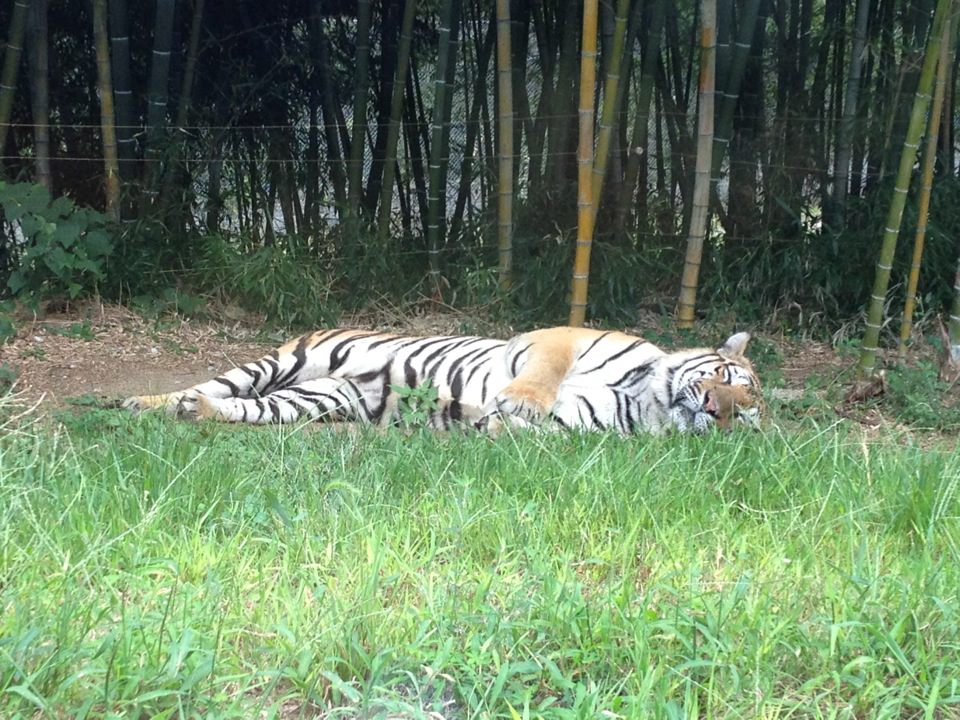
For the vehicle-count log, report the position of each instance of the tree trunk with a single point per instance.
(921, 103)
(585, 211)
(505, 164)
(107, 123)
(701, 187)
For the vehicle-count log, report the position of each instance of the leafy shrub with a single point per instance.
(280, 282)
(64, 248)
(416, 403)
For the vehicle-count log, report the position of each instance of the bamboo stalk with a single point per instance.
(871, 335)
(926, 186)
(107, 125)
(701, 188)
(610, 111)
(845, 141)
(440, 135)
(11, 66)
(40, 91)
(396, 111)
(505, 164)
(157, 98)
(641, 126)
(585, 209)
(359, 130)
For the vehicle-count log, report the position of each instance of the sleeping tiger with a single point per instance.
(555, 378)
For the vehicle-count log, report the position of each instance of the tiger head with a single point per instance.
(721, 388)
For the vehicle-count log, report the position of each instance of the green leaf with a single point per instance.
(16, 282)
(98, 244)
(61, 207)
(58, 260)
(37, 199)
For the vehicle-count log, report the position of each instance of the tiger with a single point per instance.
(554, 378)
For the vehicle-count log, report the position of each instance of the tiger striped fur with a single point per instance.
(553, 378)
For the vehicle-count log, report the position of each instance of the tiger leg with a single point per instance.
(327, 399)
(292, 363)
(250, 380)
(528, 399)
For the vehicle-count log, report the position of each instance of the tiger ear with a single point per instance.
(735, 345)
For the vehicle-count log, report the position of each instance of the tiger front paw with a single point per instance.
(142, 403)
(195, 406)
(495, 423)
(522, 407)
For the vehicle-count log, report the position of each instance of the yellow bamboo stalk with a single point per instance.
(929, 160)
(611, 96)
(107, 123)
(701, 188)
(891, 228)
(505, 125)
(585, 214)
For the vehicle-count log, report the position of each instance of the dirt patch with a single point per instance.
(109, 351)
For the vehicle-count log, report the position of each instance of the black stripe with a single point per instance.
(234, 390)
(456, 389)
(384, 340)
(593, 413)
(274, 409)
(409, 372)
(385, 391)
(516, 359)
(437, 357)
(300, 359)
(328, 335)
(254, 374)
(336, 358)
(592, 345)
(478, 363)
(271, 374)
(632, 376)
(631, 346)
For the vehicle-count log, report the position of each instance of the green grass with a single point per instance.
(153, 569)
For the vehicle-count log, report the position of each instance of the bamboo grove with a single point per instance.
(746, 150)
